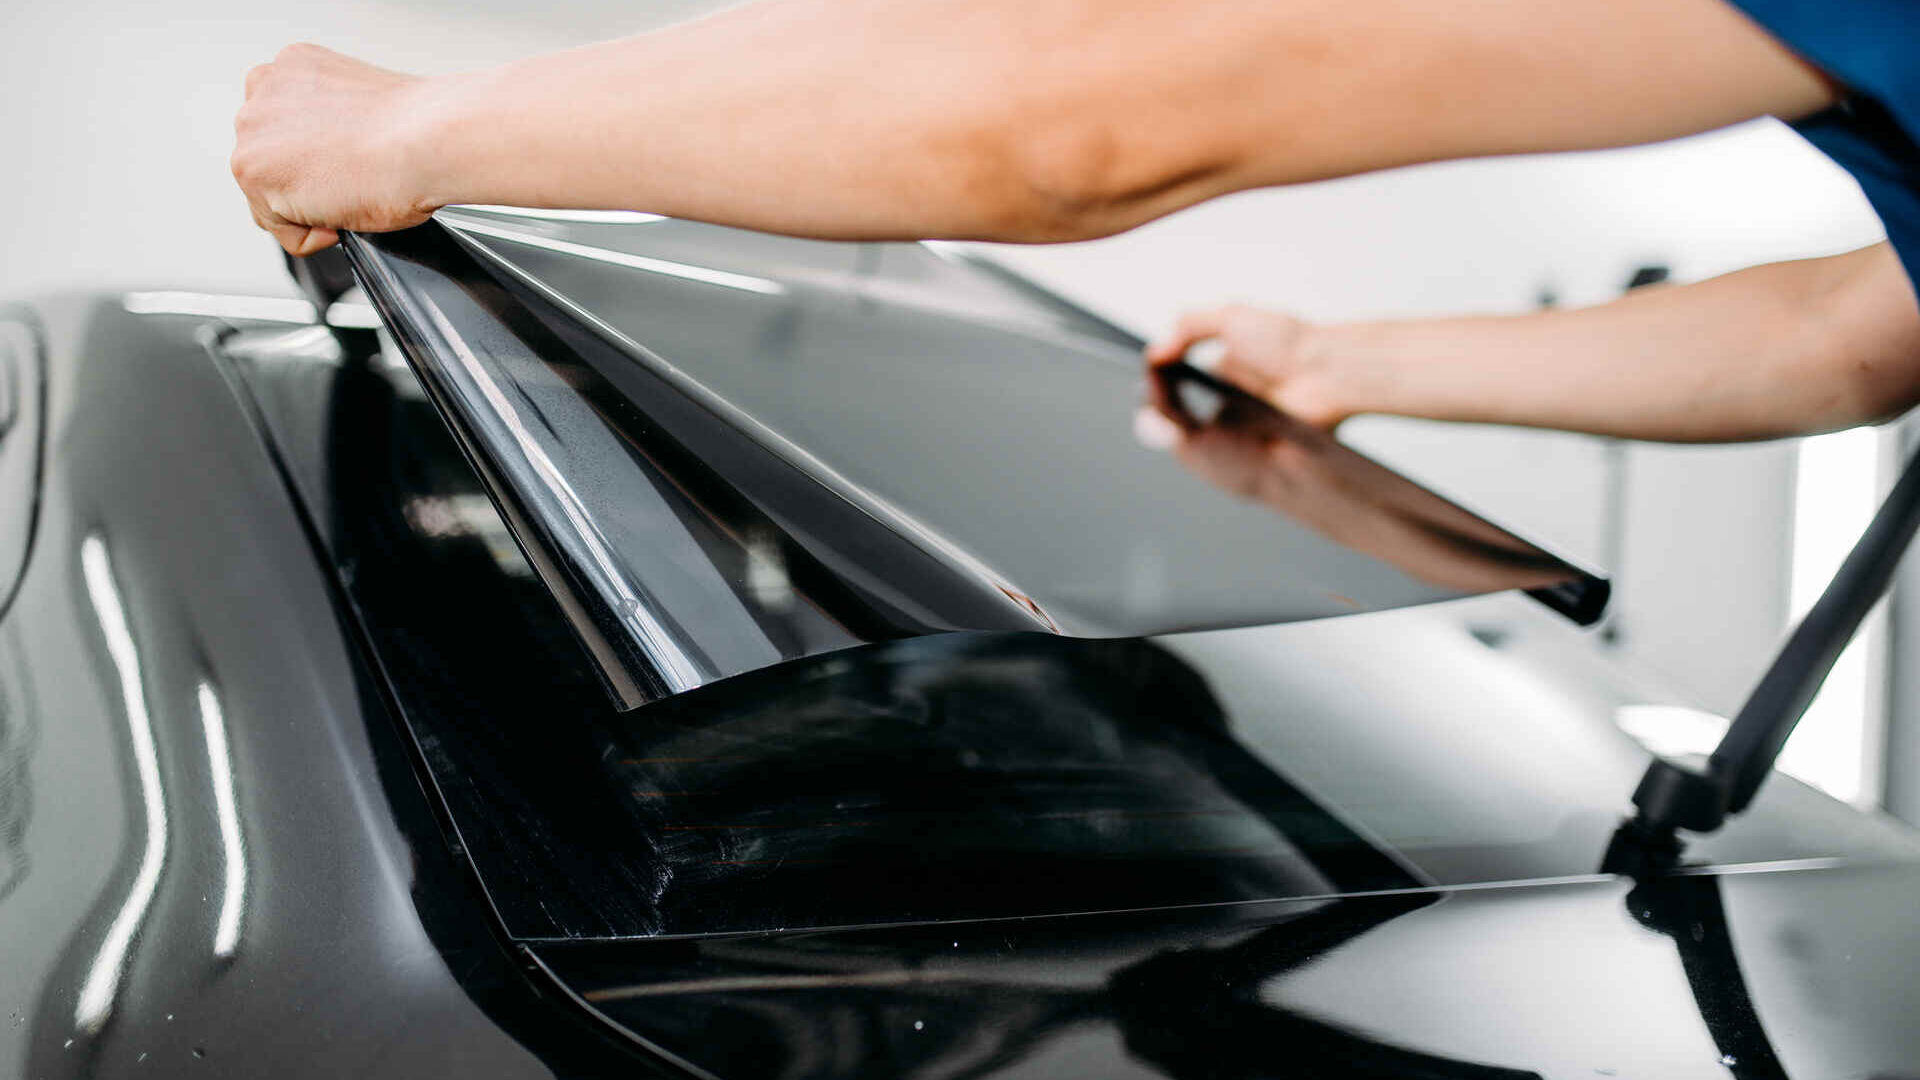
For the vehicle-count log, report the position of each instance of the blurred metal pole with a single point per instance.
(1901, 757)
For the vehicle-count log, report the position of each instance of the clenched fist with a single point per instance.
(325, 142)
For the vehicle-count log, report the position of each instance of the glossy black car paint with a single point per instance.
(439, 871)
(360, 946)
(1552, 980)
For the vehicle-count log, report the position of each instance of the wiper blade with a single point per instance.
(1673, 796)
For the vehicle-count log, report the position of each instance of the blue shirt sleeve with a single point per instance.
(1872, 48)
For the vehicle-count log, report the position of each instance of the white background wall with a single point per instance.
(117, 129)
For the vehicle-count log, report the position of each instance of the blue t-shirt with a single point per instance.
(1871, 48)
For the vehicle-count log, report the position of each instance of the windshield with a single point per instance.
(957, 775)
(964, 777)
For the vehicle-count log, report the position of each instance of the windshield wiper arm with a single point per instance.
(1672, 796)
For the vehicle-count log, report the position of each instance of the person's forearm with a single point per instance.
(1062, 119)
(1785, 349)
(860, 119)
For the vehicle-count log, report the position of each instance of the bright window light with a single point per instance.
(1672, 730)
(1836, 493)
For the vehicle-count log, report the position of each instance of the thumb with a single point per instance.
(1195, 326)
(304, 240)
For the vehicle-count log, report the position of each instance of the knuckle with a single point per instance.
(1248, 376)
(244, 162)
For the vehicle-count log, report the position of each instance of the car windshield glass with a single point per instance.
(973, 776)
(959, 775)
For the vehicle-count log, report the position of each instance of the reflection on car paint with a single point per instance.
(233, 848)
(351, 894)
(95, 1002)
(247, 308)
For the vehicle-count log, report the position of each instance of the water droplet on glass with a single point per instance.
(919, 1025)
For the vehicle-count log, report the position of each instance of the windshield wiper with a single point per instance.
(1673, 796)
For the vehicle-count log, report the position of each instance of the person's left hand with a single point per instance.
(325, 142)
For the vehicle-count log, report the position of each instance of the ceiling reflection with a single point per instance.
(102, 984)
(233, 893)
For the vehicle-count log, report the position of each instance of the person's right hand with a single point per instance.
(325, 142)
(1268, 354)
